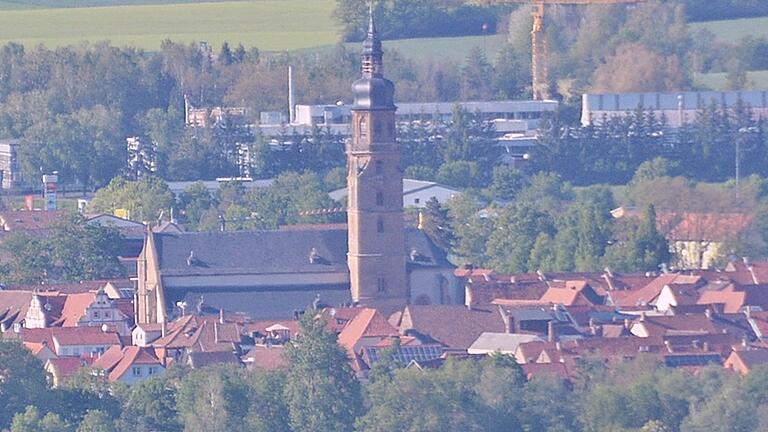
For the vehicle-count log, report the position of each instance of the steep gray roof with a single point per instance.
(251, 252)
(263, 303)
(260, 252)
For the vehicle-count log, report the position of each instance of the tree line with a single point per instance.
(612, 149)
(318, 391)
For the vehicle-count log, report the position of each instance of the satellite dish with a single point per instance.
(104, 328)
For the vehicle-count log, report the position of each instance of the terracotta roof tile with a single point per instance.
(266, 357)
(453, 325)
(27, 220)
(116, 360)
(66, 367)
(367, 323)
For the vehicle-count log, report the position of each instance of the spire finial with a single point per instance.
(371, 23)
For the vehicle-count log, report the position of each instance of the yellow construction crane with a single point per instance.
(539, 58)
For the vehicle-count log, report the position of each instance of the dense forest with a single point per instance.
(318, 392)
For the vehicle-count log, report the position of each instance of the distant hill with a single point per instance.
(266, 24)
(709, 10)
(735, 29)
(49, 4)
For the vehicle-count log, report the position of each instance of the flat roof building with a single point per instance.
(677, 108)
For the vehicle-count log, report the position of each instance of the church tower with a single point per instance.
(375, 183)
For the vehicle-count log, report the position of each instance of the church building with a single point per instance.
(373, 260)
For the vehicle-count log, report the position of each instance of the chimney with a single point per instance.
(642, 316)
(754, 275)
(221, 316)
(593, 327)
(706, 346)
(708, 313)
(551, 334)
(163, 329)
(509, 321)
(468, 296)
(216, 332)
(627, 323)
(668, 344)
(608, 276)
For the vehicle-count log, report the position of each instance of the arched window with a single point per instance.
(363, 126)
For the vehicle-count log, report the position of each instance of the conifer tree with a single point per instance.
(321, 390)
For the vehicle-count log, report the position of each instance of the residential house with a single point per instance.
(416, 193)
(27, 220)
(454, 326)
(505, 343)
(265, 356)
(61, 369)
(696, 239)
(130, 364)
(192, 333)
(69, 341)
(743, 361)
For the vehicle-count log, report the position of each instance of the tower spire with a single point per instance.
(372, 64)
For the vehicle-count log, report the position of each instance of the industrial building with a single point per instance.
(676, 108)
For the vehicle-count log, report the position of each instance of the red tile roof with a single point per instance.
(532, 370)
(266, 357)
(75, 307)
(21, 220)
(650, 292)
(452, 325)
(117, 361)
(66, 367)
(367, 323)
(572, 292)
(702, 226)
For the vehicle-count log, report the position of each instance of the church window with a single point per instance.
(380, 198)
(381, 285)
(380, 225)
(363, 128)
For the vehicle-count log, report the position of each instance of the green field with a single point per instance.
(53, 4)
(756, 80)
(267, 24)
(733, 30)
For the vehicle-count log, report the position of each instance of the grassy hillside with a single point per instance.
(439, 49)
(267, 24)
(49, 4)
(757, 80)
(733, 30)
